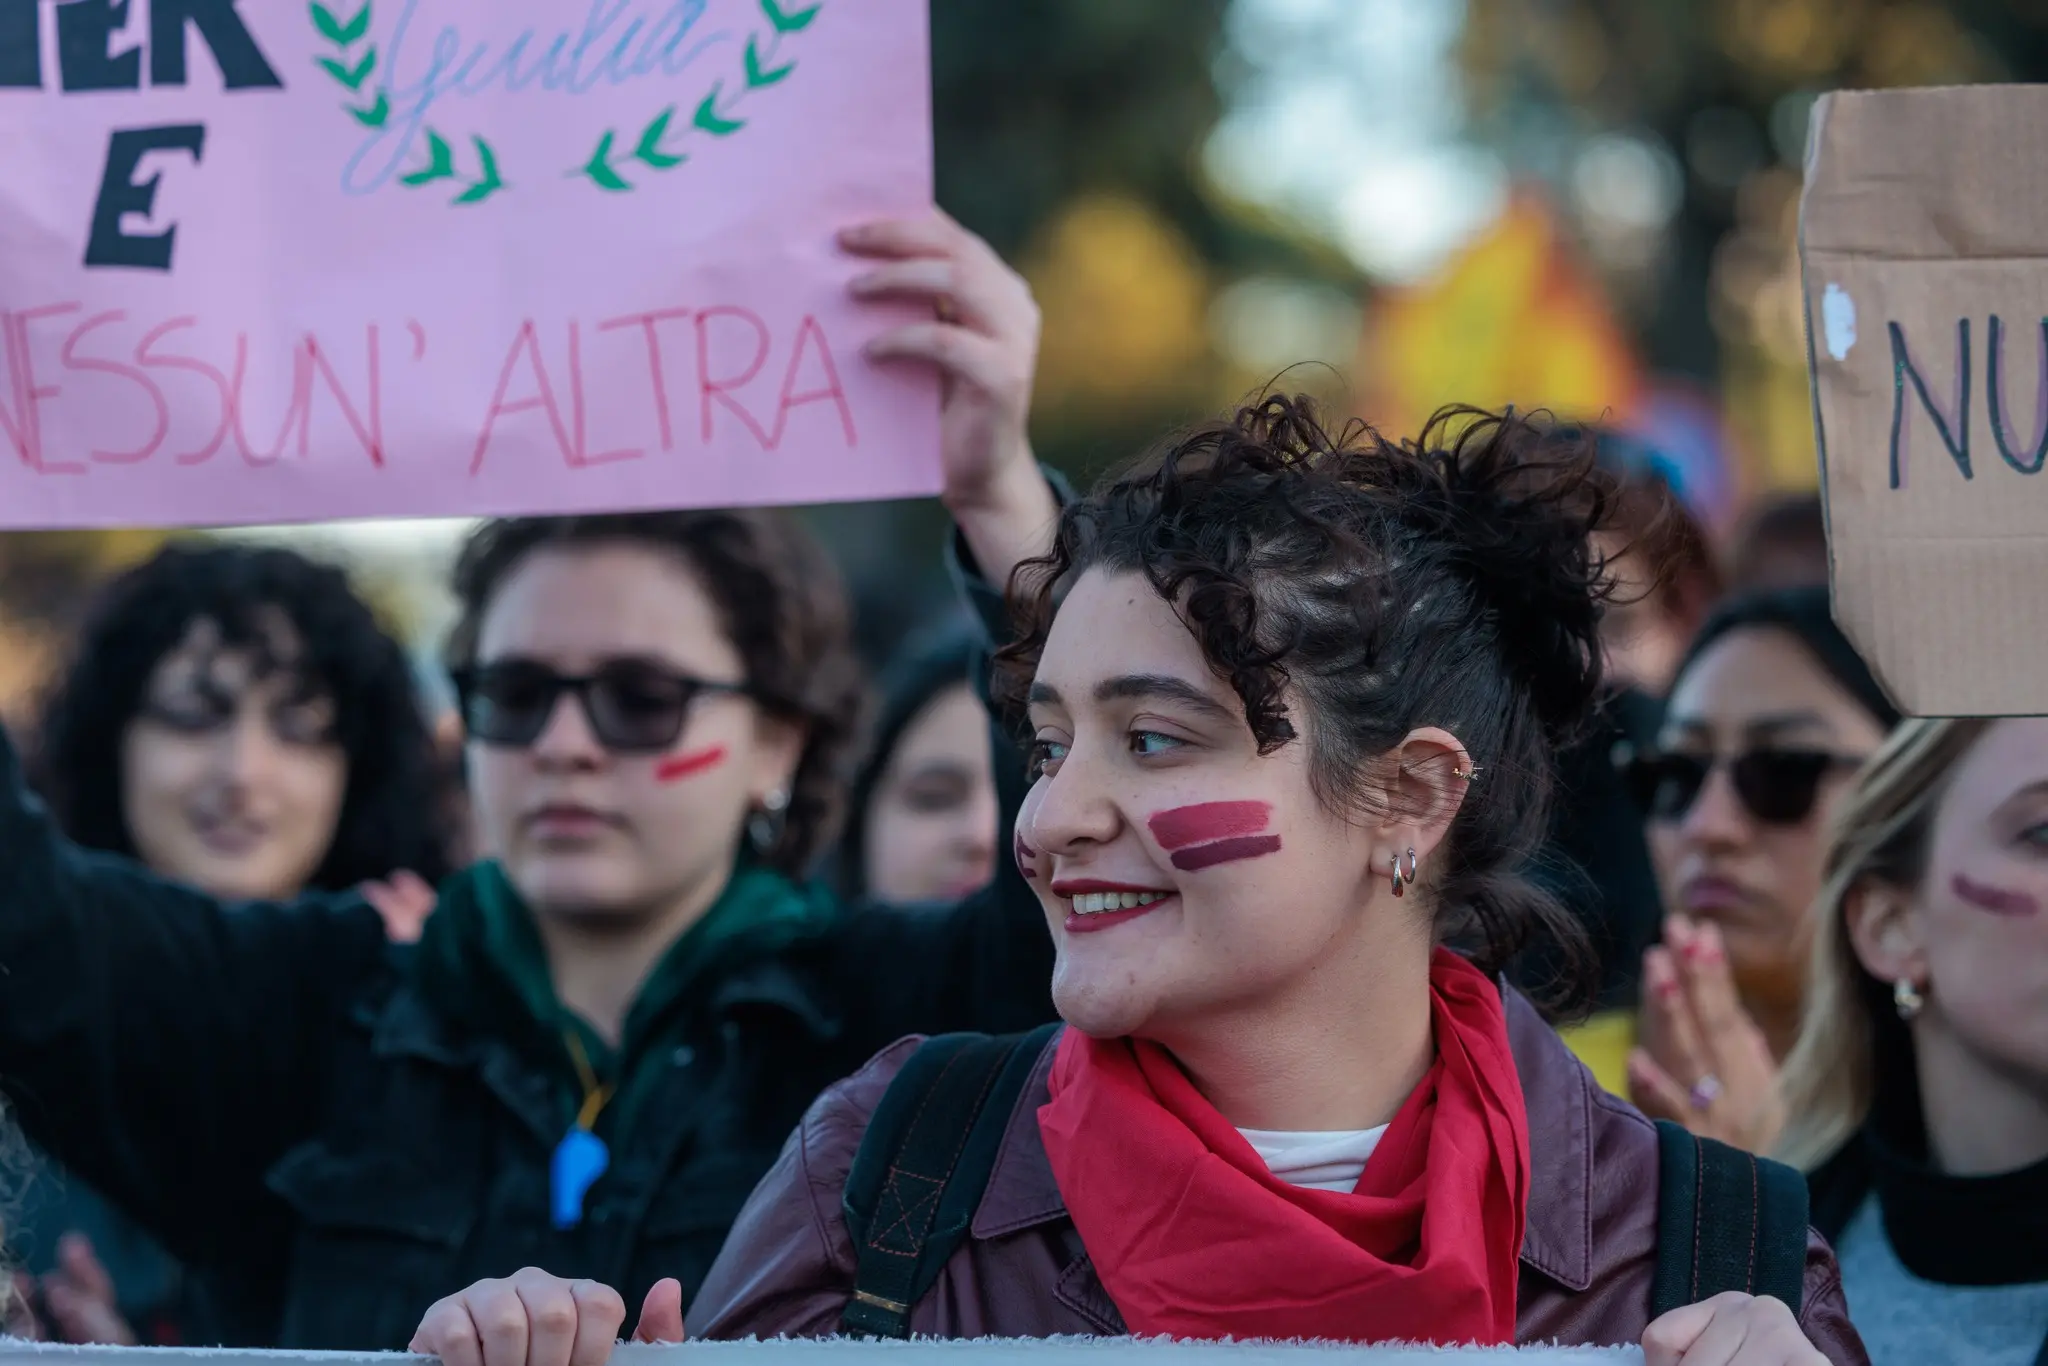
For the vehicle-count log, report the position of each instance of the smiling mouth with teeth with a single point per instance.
(1101, 903)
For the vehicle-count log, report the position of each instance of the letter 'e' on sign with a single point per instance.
(1924, 248)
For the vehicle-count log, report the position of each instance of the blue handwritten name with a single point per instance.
(619, 42)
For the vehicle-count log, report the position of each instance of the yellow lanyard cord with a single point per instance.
(595, 1097)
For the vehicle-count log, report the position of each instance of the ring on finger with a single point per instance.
(1705, 1092)
(946, 310)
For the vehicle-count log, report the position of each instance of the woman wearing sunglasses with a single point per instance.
(1771, 713)
(608, 1029)
(1917, 1094)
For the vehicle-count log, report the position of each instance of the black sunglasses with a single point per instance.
(1776, 786)
(634, 706)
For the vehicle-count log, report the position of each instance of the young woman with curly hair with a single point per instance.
(1295, 699)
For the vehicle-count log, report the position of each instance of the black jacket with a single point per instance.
(266, 1089)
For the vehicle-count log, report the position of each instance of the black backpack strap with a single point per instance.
(1726, 1220)
(923, 1165)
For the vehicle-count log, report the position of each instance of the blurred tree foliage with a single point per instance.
(1722, 88)
(1069, 133)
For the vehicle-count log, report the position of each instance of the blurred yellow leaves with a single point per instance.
(1511, 319)
(1854, 42)
(1125, 301)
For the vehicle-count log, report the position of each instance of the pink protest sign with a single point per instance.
(271, 262)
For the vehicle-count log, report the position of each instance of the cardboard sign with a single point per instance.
(848, 1352)
(267, 262)
(1924, 239)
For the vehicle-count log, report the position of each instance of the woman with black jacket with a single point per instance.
(609, 1028)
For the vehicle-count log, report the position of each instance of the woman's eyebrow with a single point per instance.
(1767, 726)
(1165, 688)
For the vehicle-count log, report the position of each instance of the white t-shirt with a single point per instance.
(1316, 1161)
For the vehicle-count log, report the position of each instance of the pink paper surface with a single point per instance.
(331, 341)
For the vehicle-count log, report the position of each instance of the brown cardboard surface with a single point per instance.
(1924, 248)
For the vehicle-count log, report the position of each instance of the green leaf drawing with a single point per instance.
(757, 76)
(440, 163)
(376, 115)
(352, 77)
(785, 21)
(599, 167)
(710, 120)
(649, 147)
(491, 182)
(336, 32)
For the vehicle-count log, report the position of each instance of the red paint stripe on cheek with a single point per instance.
(1225, 851)
(1996, 900)
(689, 765)
(1024, 854)
(1185, 825)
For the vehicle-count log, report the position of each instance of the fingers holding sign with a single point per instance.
(1702, 1061)
(983, 340)
(1730, 1330)
(535, 1319)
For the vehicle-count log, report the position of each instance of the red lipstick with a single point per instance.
(1025, 856)
(1088, 923)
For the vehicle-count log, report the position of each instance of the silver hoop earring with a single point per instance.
(1906, 999)
(1394, 863)
(1410, 877)
(765, 826)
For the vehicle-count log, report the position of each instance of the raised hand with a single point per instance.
(1702, 1061)
(983, 339)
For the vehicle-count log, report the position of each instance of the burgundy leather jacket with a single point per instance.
(1588, 1252)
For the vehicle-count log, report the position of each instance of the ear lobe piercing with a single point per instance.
(1396, 878)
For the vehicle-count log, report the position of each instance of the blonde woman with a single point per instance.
(1917, 1093)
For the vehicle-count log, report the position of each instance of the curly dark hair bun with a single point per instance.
(1353, 588)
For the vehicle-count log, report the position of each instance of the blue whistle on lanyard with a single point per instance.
(580, 1159)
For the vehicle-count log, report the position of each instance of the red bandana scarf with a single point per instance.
(1194, 1238)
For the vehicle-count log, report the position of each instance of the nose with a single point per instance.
(977, 832)
(248, 749)
(567, 741)
(1070, 811)
(1717, 817)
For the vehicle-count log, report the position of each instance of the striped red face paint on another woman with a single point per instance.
(1212, 833)
(1025, 855)
(1997, 900)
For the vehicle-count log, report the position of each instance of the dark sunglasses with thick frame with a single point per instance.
(1776, 786)
(633, 706)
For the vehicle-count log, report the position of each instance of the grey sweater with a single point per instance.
(1906, 1321)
